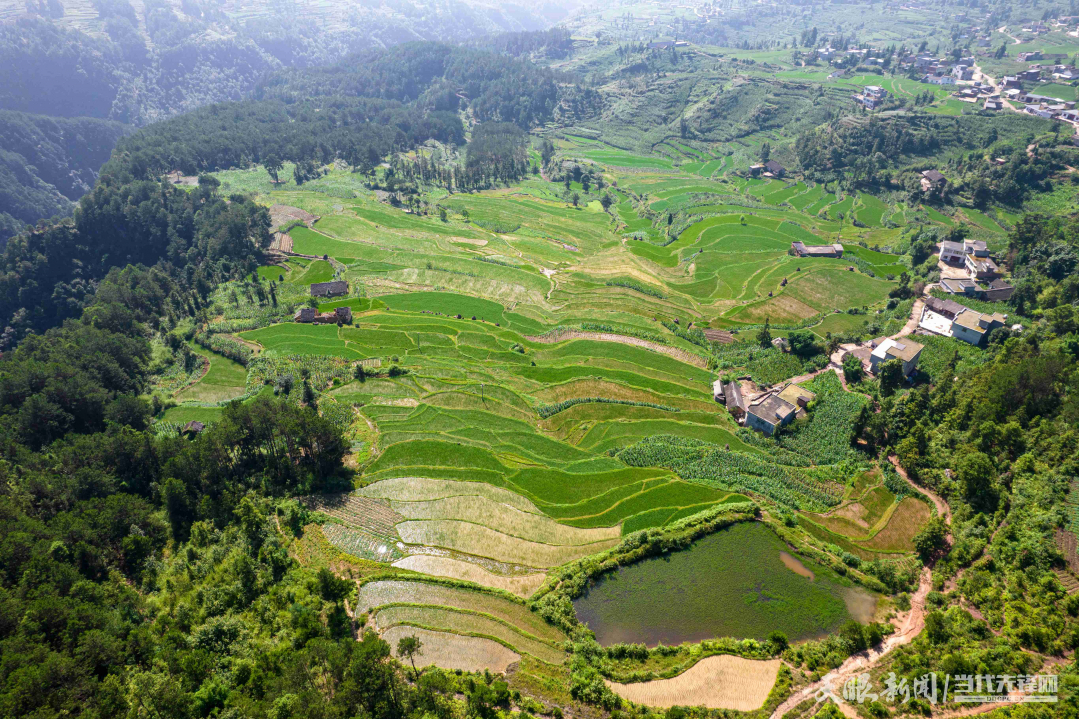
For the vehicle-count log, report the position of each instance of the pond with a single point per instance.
(739, 582)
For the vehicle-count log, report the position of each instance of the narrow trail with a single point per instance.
(938, 501)
(910, 627)
(907, 628)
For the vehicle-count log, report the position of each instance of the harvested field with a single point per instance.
(283, 214)
(904, 523)
(678, 354)
(522, 586)
(400, 591)
(418, 489)
(475, 539)
(439, 618)
(721, 336)
(374, 515)
(453, 651)
(716, 682)
(362, 543)
(504, 519)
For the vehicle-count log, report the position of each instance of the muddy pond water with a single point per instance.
(740, 582)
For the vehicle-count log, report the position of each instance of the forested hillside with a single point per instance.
(47, 164)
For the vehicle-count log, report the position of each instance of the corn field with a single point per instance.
(707, 463)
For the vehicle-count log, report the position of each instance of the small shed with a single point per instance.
(192, 428)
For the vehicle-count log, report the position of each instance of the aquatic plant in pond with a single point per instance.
(735, 583)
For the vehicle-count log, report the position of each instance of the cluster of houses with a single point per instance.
(951, 319)
(779, 406)
(979, 276)
(767, 411)
(335, 288)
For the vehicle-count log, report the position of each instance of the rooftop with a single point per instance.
(977, 321)
(902, 349)
(772, 409)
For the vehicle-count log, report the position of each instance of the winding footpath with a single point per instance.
(908, 627)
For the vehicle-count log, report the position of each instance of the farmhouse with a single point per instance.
(952, 252)
(192, 428)
(334, 288)
(997, 291)
(775, 168)
(781, 344)
(305, 314)
(993, 104)
(717, 391)
(797, 396)
(981, 268)
(932, 179)
(732, 394)
(903, 350)
(948, 308)
(978, 248)
(974, 327)
(767, 414)
(799, 249)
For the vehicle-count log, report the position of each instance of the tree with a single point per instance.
(931, 538)
(273, 165)
(575, 198)
(766, 151)
(976, 472)
(764, 335)
(409, 647)
(852, 368)
(803, 343)
(891, 377)
(606, 200)
(779, 641)
(442, 213)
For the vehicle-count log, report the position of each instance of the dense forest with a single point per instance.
(97, 620)
(47, 164)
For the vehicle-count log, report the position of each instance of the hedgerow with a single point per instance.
(225, 346)
(637, 287)
(549, 410)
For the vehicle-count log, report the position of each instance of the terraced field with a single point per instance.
(536, 388)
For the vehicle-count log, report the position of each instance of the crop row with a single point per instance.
(549, 410)
(694, 459)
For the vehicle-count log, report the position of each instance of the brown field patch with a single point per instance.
(453, 651)
(679, 354)
(716, 682)
(523, 586)
(904, 523)
(780, 308)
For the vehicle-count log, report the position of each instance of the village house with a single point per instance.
(768, 414)
(732, 398)
(797, 396)
(798, 249)
(1067, 75)
(781, 344)
(978, 248)
(310, 314)
(962, 72)
(947, 308)
(1011, 82)
(959, 286)
(1030, 56)
(932, 179)
(774, 168)
(334, 288)
(973, 327)
(1030, 75)
(993, 105)
(981, 268)
(997, 291)
(903, 349)
(952, 252)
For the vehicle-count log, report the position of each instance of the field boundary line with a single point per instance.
(471, 612)
(674, 352)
